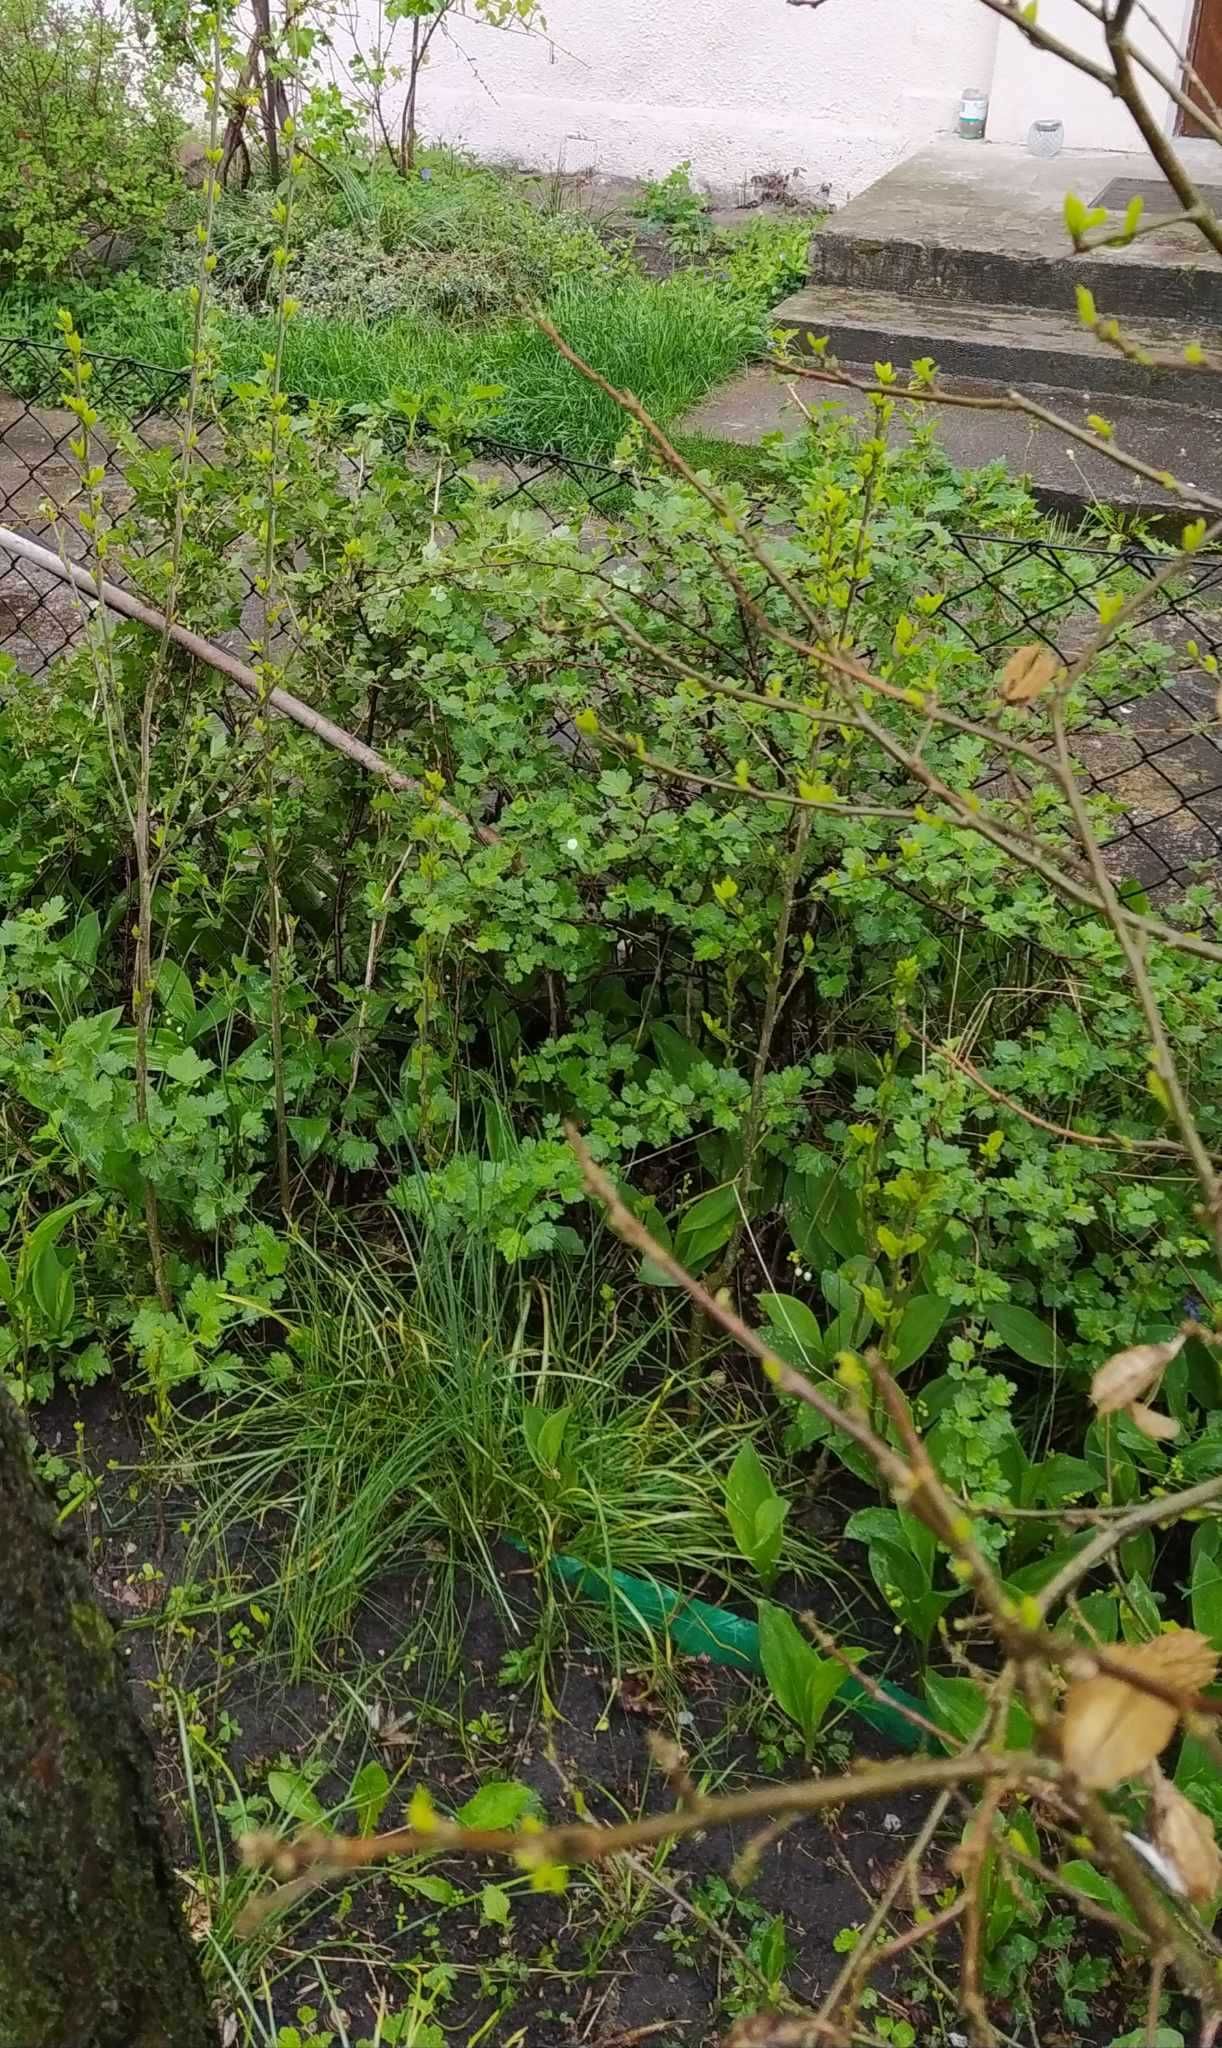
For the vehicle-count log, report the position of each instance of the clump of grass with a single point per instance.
(424, 1407)
(667, 342)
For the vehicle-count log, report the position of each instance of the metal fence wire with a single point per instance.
(1152, 751)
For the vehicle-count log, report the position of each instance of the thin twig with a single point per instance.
(282, 702)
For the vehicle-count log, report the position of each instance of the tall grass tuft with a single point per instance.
(422, 1408)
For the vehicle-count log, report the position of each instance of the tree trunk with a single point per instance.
(94, 1950)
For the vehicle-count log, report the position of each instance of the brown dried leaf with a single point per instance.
(1182, 1659)
(1110, 1732)
(1186, 1838)
(1159, 1428)
(1128, 1375)
(1029, 672)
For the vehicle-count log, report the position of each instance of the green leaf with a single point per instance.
(187, 1067)
(921, 1320)
(802, 1195)
(438, 1890)
(1098, 1612)
(1197, 1778)
(175, 993)
(1206, 1583)
(1023, 1333)
(1059, 1479)
(52, 1289)
(655, 1223)
(495, 1905)
(1140, 1614)
(755, 1511)
(368, 1793)
(293, 1793)
(308, 1134)
(1075, 215)
(81, 943)
(802, 1683)
(875, 1525)
(843, 1287)
(1096, 1886)
(704, 1227)
(677, 1053)
(792, 1330)
(501, 1803)
(52, 1226)
(959, 1705)
(544, 1429)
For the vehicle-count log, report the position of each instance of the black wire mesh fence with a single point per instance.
(1152, 751)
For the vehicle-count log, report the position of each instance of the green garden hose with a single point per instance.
(700, 1630)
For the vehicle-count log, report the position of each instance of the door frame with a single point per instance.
(1196, 22)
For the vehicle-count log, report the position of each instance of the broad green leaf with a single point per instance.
(802, 1193)
(369, 1791)
(1198, 1778)
(1140, 1614)
(920, 1321)
(175, 994)
(705, 1227)
(294, 1795)
(959, 1705)
(875, 1525)
(785, 1655)
(1023, 1333)
(308, 1134)
(500, 1140)
(438, 1890)
(659, 1229)
(1206, 1584)
(677, 1053)
(52, 1289)
(1035, 1576)
(81, 944)
(495, 1905)
(544, 1430)
(840, 1220)
(755, 1511)
(500, 1803)
(51, 1227)
(1059, 1479)
(1098, 1612)
(1096, 1886)
(802, 1683)
(791, 1322)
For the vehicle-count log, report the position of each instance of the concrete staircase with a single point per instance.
(961, 255)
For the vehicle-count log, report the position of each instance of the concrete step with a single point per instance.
(983, 224)
(956, 271)
(1006, 344)
(1064, 475)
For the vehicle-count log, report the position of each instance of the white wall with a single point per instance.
(631, 87)
(1030, 85)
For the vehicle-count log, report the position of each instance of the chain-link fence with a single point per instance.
(1152, 751)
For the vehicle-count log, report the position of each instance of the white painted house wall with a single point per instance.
(740, 87)
(1030, 85)
(841, 91)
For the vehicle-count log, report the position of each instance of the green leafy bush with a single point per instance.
(88, 134)
(462, 244)
(605, 953)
